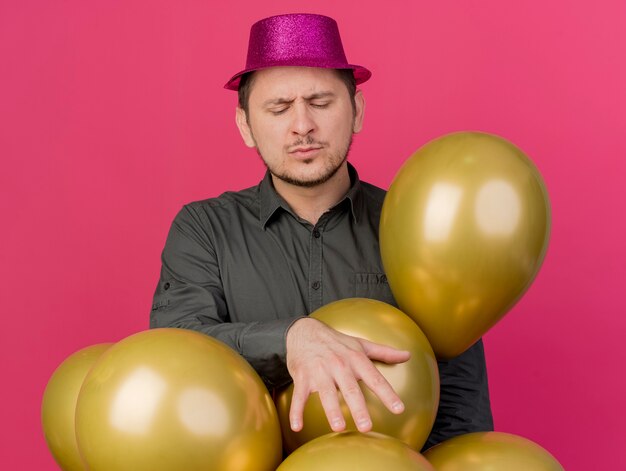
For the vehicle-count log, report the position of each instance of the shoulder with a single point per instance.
(221, 208)
(227, 201)
(372, 194)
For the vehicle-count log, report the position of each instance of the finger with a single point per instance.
(384, 353)
(353, 396)
(379, 385)
(330, 403)
(298, 400)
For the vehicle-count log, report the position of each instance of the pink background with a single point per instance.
(112, 115)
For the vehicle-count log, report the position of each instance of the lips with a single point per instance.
(304, 149)
(304, 152)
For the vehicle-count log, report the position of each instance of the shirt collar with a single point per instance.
(270, 201)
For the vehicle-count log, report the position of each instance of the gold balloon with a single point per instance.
(415, 381)
(493, 451)
(355, 451)
(59, 405)
(464, 229)
(174, 399)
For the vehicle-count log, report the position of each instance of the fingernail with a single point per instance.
(397, 406)
(337, 423)
(295, 425)
(364, 423)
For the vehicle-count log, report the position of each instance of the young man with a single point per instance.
(249, 266)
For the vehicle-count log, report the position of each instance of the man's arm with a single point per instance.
(464, 405)
(190, 295)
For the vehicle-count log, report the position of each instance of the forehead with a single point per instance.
(292, 82)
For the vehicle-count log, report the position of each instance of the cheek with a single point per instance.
(343, 129)
(271, 147)
(268, 135)
(342, 122)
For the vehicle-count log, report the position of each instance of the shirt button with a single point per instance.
(316, 234)
(166, 286)
(316, 285)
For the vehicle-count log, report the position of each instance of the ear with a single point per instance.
(244, 127)
(359, 102)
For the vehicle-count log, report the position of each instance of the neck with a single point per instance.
(311, 203)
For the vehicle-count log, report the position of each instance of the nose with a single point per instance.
(303, 122)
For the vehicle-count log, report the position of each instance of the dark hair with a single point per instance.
(246, 81)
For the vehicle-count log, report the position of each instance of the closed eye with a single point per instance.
(279, 111)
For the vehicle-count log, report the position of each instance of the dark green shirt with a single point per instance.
(243, 267)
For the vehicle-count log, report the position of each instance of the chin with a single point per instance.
(307, 179)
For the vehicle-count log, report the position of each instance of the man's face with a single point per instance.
(301, 121)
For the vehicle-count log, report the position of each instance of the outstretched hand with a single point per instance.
(323, 360)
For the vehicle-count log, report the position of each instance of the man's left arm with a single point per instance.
(464, 405)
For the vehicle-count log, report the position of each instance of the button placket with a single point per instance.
(315, 268)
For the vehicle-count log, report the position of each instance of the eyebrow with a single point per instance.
(314, 96)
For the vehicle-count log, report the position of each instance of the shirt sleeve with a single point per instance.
(190, 295)
(464, 405)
